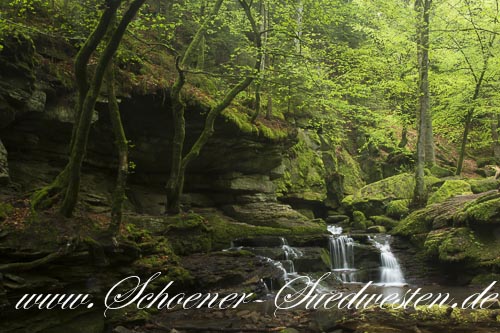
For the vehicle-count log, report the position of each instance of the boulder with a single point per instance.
(373, 198)
(450, 188)
(376, 229)
(483, 184)
(384, 221)
(398, 209)
(441, 172)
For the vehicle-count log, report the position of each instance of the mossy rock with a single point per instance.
(485, 279)
(441, 172)
(376, 229)
(384, 221)
(373, 198)
(398, 209)
(416, 223)
(484, 210)
(358, 220)
(483, 184)
(459, 245)
(450, 188)
(350, 171)
(304, 176)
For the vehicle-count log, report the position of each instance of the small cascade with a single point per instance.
(342, 254)
(290, 252)
(390, 270)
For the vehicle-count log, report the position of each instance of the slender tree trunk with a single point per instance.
(214, 112)
(258, 88)
(495, 122)
(81, 138)
(422, 7)
(175, 181)
(122, 148)
(429, 138)
(404, 136)
(468, 121)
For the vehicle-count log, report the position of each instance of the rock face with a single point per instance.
(461, 234)
(318, 173)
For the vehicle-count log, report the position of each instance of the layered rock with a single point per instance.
(462, 233)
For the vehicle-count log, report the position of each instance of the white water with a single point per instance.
(290, 252)
(342, 254)
(390, 270)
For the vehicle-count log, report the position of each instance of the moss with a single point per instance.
(5, 210)
(373, 198)
(243, 122)
(485, 279)
(480, 212)
(305, 175)
(351, 172)
(433, 241)
(377, 229)
(483, 185)
(414, 224)
(358, 220)
(398, 208)
(384, 221)
(450, 188)
(457, 245)
(441, 172)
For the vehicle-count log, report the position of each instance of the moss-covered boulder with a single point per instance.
(441, 172)
(450, 188)
(453, 245)
(398, 209)
(373, 198)
(384, 221)
(358, 220)
(485, 210)
(376, 229)
(483, 184)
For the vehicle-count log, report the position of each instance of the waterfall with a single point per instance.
(390, 270)
(342, 254)
(290, 252)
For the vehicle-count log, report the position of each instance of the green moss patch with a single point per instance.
(449, 189)
(483, 184)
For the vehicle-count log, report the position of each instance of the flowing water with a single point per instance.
(342, 254)
(390, 270)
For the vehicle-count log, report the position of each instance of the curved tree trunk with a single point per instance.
(173, 206)
(173, 186)
(46, 196)
(81, 137)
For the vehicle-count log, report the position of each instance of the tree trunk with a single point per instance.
(214, 112)
(468, 121)
(176, 179)
(82, 133)
(404, 136)
(429, 139)
(422, 7)
(46, 196)
(263, 62)
(122, 148)
(495, 123)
